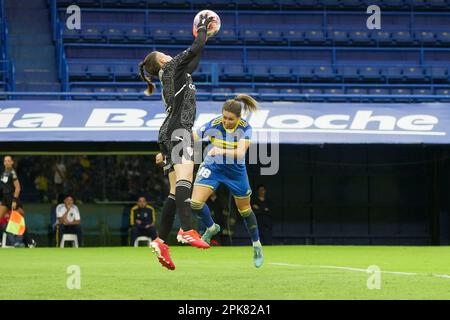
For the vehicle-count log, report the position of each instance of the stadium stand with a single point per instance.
(322, 48)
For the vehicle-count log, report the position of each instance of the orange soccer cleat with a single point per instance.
(162, 252)
(193, 238)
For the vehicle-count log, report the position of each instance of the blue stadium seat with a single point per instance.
(438, 4)
(268, 4)
(92, 34)
(414, 74)
(348, 73)
(288, 91)
(338, 37)
(221, 93)
(81, 90)
(114, 35)
(426, 37)
(282, 73)
(379, 92)
(324, 73)
(250, 36)
(133, 3)
(370, 73)
(382, 37)
(422, 92)
(161, 35)
(333, 92)
(246, 90)
(438, 74)
(234, 72)
(315, 37)
(443, 38)
(401, 91)
(72, 35)
(353, 3)
(360, 38)
(127, 90)
(304, 73)
(402, 38)
(443, 92)
(99, 72)
(294, 36)
(260, 72)
(77, 70)
(272, 37)
(356, 91)
(312, 91)
(104, 90)
(183, 35)
(268, 94)
(226, 36)
(123, 72)
(392, 73)
(135, 35)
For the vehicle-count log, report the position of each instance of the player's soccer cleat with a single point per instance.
(258, 257)
(209, 234)
(162, 252)
(193, 238)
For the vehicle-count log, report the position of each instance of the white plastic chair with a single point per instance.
(142, 239)
(69, 238)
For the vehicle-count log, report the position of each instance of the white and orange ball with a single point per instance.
(213, 26)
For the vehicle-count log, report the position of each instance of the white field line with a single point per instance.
(359, 270)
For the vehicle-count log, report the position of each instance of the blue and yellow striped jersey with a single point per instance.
(223, 138)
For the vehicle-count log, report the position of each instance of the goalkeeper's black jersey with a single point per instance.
(178, 90)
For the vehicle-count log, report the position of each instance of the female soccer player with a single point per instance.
(225, 163)
(10, 192)
(175, 135)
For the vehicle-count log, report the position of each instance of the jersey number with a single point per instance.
(204, 172)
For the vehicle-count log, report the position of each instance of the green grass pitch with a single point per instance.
(289, 272)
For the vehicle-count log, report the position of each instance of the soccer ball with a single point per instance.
(213, 27)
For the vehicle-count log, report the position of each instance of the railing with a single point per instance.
(63, 73)
(220, 96)
(7, 67)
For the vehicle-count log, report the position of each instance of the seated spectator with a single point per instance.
(69, 219)
(142, 220)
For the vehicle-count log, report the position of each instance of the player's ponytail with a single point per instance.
(241, 101)
(152, 66)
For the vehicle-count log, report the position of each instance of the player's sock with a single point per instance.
(168, 216)
(251, 223)
(183, 202)
(202, 210)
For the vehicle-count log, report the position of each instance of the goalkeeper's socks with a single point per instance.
(168, 216)
(202, 210)
(183, 203)
(251, 223)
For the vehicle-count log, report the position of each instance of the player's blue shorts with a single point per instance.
(213, 175)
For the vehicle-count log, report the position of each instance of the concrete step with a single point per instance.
(40, 39)
(40, 75)
(38, 86)
(32, 52)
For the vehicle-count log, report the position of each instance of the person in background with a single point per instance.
(59, 177)
(142, 220)
(261, 206)
(69, 219)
